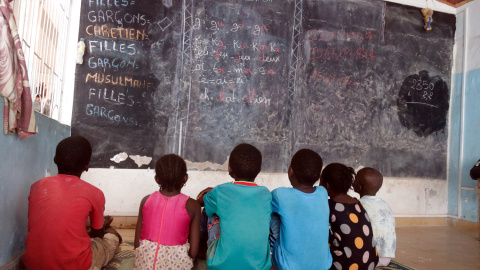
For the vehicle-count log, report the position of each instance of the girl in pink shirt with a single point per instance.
(168, 228)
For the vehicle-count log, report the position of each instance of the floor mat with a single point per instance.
(393, 265)
(124, 259)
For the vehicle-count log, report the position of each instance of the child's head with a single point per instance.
(305, 167)
(245, 162)
(368, 181)
(337, 178)
(37, 98)
(171, 172)
(72, 155)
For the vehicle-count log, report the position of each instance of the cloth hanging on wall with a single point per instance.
(14, 87)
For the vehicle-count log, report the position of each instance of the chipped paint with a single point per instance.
(141, 160)
(119, 157)
(207, 166)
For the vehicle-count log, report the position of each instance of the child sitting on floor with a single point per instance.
(239, 216)
(299, 225)
(367, 183)
(166, 220)
(58, 209)
(351, 237)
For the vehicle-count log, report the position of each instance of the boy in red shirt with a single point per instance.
(58, 209)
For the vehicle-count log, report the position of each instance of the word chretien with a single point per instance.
(116, 32)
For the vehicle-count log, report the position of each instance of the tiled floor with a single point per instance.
(424, 247)
(442, 247)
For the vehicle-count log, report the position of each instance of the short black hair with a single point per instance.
(245, 161)
(170, 171)
(307, 166)
(339, 177)
(73, 154)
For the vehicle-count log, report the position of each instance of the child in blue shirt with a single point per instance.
(239, 216)
(300, 219)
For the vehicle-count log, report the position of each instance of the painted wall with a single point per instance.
(23, 163)
(124, 189)
(464, 147)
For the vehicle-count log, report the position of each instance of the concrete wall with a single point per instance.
(23, 162)
(124, 189)
(464, 147)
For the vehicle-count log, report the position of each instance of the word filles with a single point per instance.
(249, 98)
(110, 3)
(114, 46)
(109, 95)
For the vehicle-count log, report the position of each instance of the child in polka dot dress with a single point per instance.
(351, 238)
(168, 227)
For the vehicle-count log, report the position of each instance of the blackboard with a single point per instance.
(361, 82)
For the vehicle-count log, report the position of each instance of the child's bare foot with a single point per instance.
(113, 231)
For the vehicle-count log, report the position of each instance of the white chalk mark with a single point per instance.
(412, 102)
(180, 140)
(164, 24)
(119, 157)
(141, 160)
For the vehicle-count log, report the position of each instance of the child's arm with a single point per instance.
(193, 209)
(201, 194)
(138, 228)
(99, 233)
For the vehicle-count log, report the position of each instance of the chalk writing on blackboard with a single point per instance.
(423, 103)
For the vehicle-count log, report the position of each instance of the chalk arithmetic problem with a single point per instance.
(197, 77)
(423, 103)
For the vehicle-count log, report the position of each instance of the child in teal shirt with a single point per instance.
(242, 210)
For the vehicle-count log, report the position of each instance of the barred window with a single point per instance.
(42, 27)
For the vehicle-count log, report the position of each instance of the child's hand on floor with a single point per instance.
(201, 194)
